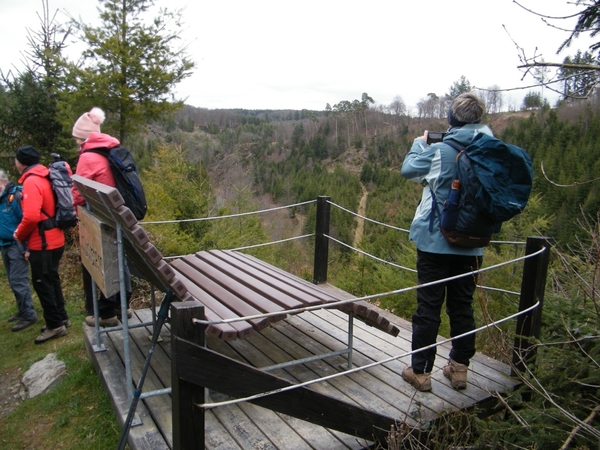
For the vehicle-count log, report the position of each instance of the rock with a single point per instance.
(42, 375)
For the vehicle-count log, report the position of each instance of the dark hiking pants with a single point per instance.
(459, 306)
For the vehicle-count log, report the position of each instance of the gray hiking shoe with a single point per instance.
(456, 373)
(66, 323)
(22, 324)
(420, 381)
(51, 334)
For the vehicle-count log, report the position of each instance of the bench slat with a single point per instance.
(212, 296)
(262, 292)
(239, 290)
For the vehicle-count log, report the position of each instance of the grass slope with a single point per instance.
(74, 414)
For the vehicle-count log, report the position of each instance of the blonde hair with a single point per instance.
(468, 108)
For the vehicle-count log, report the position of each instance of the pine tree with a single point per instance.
(131, 65)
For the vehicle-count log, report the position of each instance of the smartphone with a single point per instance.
(435, 136)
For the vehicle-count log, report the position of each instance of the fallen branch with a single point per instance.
(578, 427)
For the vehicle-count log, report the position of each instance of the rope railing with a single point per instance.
(229, 216)
(272, 242)
(366, 297)
(370, 255)
(367, 219)
(365, 367)
(404, 229)
(488, 288)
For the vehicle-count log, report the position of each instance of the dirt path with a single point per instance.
(360, 222)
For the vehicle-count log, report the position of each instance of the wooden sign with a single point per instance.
(99, 253)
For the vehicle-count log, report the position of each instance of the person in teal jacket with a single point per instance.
(14, 254)
(434, 166)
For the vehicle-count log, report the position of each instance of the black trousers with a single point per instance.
(107, 307)
(459, 307)
(46, 283)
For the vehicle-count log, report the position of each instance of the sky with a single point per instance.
(282, 54)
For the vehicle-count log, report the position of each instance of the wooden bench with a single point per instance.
(229, 284)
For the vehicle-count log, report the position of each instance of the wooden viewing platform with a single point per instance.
(195, 363)
(246, 426)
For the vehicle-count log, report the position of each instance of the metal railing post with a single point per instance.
(321, 240)
(533, 286)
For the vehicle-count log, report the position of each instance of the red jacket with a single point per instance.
(37, 196)
(92, 165)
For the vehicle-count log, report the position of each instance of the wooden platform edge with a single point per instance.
(110, 369)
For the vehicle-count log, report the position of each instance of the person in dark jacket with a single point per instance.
(434, 166)
(14, 254)
(45, 247)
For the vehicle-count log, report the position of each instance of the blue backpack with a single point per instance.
(492, 184)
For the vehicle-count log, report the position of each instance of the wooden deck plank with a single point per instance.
(442, 397)
(380, 397)
(110, 369)
(159, 406)
(479, 386)
(298, 336)
(254, 348)
(377, 395)
(481, 365)
(324, 438)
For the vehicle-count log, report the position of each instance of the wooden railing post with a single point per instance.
(188, 419)
(533, 286)
(321, 240)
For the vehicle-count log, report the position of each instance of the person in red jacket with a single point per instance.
(94, 166)
(46, 247)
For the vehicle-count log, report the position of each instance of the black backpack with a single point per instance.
(127, 180)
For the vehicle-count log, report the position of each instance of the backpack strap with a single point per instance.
(15, 194)
(434, 206)
(434, 209)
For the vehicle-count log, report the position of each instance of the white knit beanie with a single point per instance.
(88, 123)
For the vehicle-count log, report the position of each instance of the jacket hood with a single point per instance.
(99, 140)
(465, 134)
(37, 169)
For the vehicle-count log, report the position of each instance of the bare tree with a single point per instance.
(398, 107)
(533, 65)
(492, 96)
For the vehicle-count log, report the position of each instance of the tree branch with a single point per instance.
(578, 427)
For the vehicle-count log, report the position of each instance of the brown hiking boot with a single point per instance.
(110, 322)
(129, 313)
(51, 334)
(420, 381)
(457, 374)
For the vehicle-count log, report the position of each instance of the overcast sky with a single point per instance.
(280, 54)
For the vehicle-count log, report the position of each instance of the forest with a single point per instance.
(199, 164)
